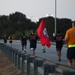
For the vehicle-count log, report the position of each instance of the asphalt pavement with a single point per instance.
(50, 54)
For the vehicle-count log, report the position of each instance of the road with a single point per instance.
(50, 54)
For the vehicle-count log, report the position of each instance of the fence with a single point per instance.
(20, 59)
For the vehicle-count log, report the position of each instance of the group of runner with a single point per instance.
(69, 39)
(59, 39)
(33, 42)
(10, 38)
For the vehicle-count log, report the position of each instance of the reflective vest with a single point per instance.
(71, 46)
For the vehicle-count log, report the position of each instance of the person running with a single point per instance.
(33, 42)
(70, 40)
(24, 42)
(59, 44)
(5, 39)
(10, 39)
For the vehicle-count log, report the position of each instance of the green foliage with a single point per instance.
(17, 35)
(28, 32)
(17, 23)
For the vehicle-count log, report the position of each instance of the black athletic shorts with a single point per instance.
(24, 43)
(71, 53)
(33, 46)
(58, 48)
(10, 41)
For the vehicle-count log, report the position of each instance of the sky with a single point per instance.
(39, 8)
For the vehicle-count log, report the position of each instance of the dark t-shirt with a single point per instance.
(24, 39)
(33, 40)
(59, 41)
(5, 39)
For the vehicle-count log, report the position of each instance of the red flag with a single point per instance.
(42, 33)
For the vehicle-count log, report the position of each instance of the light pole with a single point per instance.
(55, 14)
(54, 34)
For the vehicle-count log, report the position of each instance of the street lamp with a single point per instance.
(49, 15)
(55, 14)
(55, 18)
(37, 20)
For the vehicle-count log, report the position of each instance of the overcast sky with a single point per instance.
(39, 8)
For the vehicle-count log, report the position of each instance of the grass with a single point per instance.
(8, 68)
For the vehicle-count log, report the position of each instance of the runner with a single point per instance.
(59, 44)
(24, 42)
(5, 39)
(70, 40)
(33, 42)
(10, 39)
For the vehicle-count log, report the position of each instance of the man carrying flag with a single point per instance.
(43, 35)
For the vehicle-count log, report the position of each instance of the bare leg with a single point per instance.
(11, 44)
(59, 55)
(43, 48)
(22, 47)
(74, 62)
(70, 62)
(32, 52)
